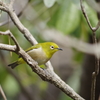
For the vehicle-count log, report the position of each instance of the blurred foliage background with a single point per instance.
(62, 15)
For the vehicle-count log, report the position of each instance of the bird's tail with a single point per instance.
(13, 65)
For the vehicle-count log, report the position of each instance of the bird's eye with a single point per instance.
(51, 47)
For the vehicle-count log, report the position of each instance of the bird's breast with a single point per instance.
(38, 55)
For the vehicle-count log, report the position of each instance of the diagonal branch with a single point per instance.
(87, 19)
(2, 93)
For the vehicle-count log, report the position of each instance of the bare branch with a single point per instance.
(87, 19)
(2, 93)
(5, 22)
(96, 72)
(19, 14)
(67, 41)
(98, 25)
(85, 15)
(3, 6)
(13, 38)
(7, 47)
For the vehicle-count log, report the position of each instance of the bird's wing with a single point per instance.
(31, 48)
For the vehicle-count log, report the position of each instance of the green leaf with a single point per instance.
(49, 3)
(68, 17)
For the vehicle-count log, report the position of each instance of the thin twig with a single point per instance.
(13, 38)
(96, 72)
(19, 14)
(87, 19)
(85, 15)
(2, 93)
(98, 25)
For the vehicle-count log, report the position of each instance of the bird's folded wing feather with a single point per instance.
(33, 47)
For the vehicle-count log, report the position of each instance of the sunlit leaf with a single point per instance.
(49, 3)
(68, 17)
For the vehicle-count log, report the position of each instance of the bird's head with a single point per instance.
(50, 48)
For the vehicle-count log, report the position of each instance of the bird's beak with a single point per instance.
(59, 49)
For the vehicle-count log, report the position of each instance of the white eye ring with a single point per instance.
(51, 47)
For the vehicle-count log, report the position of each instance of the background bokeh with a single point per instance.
(73, 66)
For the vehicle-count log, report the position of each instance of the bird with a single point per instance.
(41, 53)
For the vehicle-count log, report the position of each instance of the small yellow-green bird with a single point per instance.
(41, 52)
